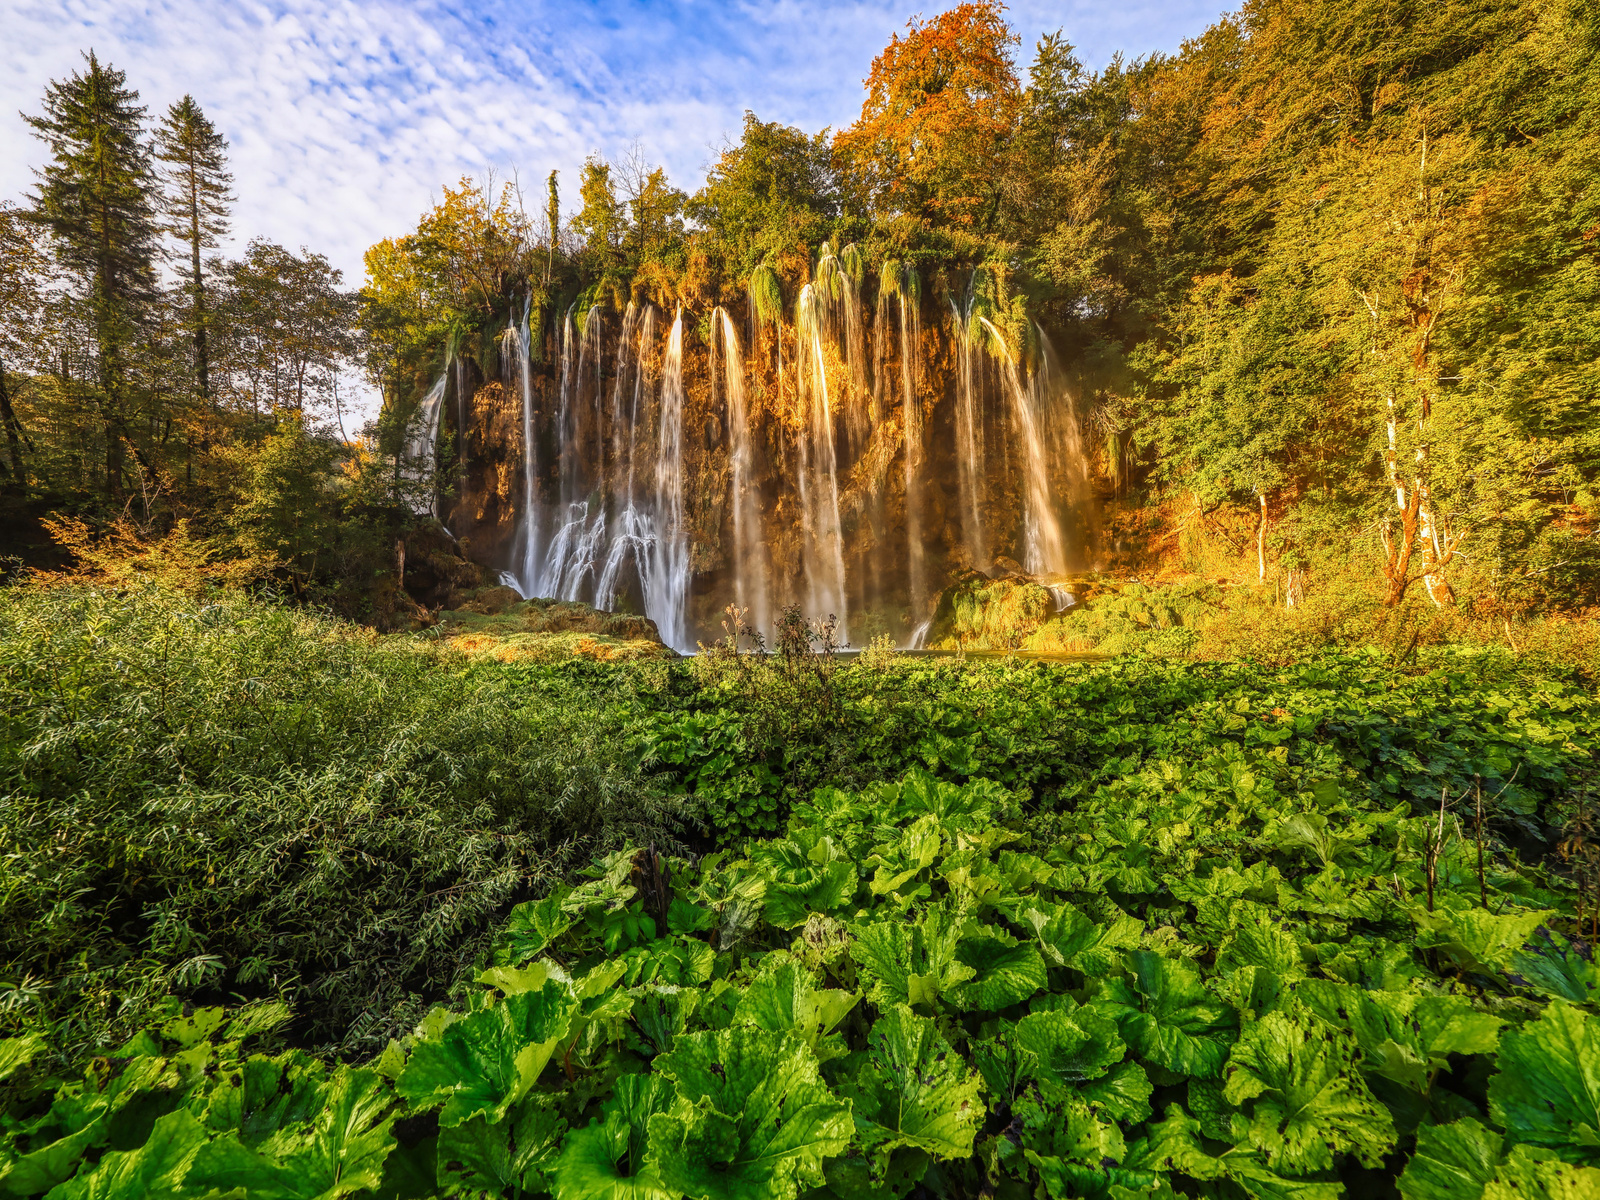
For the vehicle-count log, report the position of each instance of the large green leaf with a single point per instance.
(1168, 1017)
(896, 864)
(1263, 943)
(501, 1158)
(1173, 1144)
(157, 1168)
(487, 1061)
(858, 1176)
(786, 998)
(1403, 1036)
(1124, 1093)
(610, 1159)
(1548, 1090)
(18, 1052)
(915, 1091)
(1070, 1048)
(1070, 939)
(1476, 939)
(808, 872)
(1452, 1162)
(909, 963)
(660, 1014)
(1559, 970)
(532, 926)
(1303, 1100)
(84, 1117)
(342, 1153)
(1531, 1174)
(754, 1119)
(1004, 972)
(267, 1095)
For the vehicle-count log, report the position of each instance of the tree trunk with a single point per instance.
(1261, 542)
(13, 431)
(1437, 549)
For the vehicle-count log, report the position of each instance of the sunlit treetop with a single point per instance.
(941, 103)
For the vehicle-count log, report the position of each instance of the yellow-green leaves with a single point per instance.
(1302, 1099)
(1169, 1018)
(754, 1120)
(914, 1091)
(611, 1158)
(1548, 1090)
(487, 1061)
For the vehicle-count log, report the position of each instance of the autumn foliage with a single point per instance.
(941, 105)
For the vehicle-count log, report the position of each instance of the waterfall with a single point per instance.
(1064, 435)
(607, 515)
(836, 291)
(818, 476)
(572, 514)
(749, 566)
(970, 465)
(1044, 550)
(423, 444)
(910, 369)
(574, 549)
(590, 352)
(461, 413)
(667, 585)
(622, 407)
(518, 365)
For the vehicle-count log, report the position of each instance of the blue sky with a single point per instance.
(345, 117)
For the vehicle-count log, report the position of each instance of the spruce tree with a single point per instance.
(195, 208)
(95, 197)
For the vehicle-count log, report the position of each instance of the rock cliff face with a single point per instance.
(783, 480)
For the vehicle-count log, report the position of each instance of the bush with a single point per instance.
(233, 799)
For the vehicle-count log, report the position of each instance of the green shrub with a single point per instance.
(235, 798)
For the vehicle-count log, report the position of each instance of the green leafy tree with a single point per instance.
(195, 208)
(96, 197)
(285, 514)
(772, 189)
(289, 330)
(602, 222)
(24, 305)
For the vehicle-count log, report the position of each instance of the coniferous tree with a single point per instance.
(195, 208)
(95, 197)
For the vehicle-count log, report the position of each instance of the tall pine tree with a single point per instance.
(195, 209)
(96, 198)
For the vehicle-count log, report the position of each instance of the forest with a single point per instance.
(1040, 643)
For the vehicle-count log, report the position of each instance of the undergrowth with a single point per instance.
(223, 798)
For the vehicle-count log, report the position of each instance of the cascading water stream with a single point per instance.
(616, 527)
(970, 465)
(667, 586)
(749, 566)
(1044, 550)
(516, 363)
(822, 553)
(621, 407)
(911, 413)
(423, 446)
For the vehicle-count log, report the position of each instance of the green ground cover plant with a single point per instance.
(752, 738)
(921, 987)
(871, 928)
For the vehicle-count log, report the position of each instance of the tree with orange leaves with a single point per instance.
(942, 105)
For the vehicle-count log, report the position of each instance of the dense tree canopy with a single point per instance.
(1332, 266)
